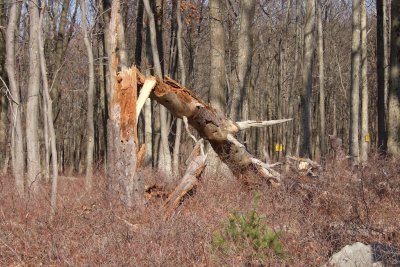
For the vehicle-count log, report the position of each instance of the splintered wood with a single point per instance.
(124, 99)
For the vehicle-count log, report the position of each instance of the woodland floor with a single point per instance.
(316, 217)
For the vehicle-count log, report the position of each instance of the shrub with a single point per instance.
(248, 236)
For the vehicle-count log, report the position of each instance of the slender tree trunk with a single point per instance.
(3, 99)
(217, 56)
(90, 111)
(239, 102)
(49, 119)
(32, 109)
(293, 92)
(381, 40)
(183, 82)
(322, 129)
(139, 33)
(166, 165)
(394, 86)
(306, 97)
(355, 83)
(17, 146)
(365, 139)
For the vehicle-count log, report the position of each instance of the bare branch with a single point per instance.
(243, 125)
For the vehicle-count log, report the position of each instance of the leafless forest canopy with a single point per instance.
(132, 132)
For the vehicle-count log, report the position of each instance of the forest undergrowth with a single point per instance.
(312, 217)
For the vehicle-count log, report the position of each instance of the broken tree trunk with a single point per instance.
(123, 155)
(195, 166)
(212, 126)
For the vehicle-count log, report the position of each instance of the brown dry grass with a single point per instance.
(317, 217)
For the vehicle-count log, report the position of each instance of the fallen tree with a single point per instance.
(214, 127)
(124, 155)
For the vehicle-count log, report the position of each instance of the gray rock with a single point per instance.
(360, 255)
(356, 255)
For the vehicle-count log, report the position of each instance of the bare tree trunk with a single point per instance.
(355, 83)
(306, 97)
(139, 33)
(365, 139)
(32, 109)
(218, 84)
(293, 93)
(394, 86)
(381, 40)
(17, 146)
(166, 165)
(49, 119)
(3, 99)
(322, 130)
(239, 102)
(90, 118)
(175, 162)
(217, 56)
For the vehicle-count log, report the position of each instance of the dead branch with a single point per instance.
(189, 180)
(243, 125)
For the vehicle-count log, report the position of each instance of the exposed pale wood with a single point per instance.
(243, 125)
(148, 86)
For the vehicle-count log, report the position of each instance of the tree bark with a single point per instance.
(217, 55)
(123, 156)
(3, 99)
(240, 101)
(90, 109)
(49, 119)
(17, 146)
(32, 109)
(166, 161)
(394, 86)
(355, 83)
(178, 133)
(381, 40)
(139, 33)
(322, 129)
(307, 77)
(365, 138)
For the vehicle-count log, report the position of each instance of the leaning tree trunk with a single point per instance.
(214, 127)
